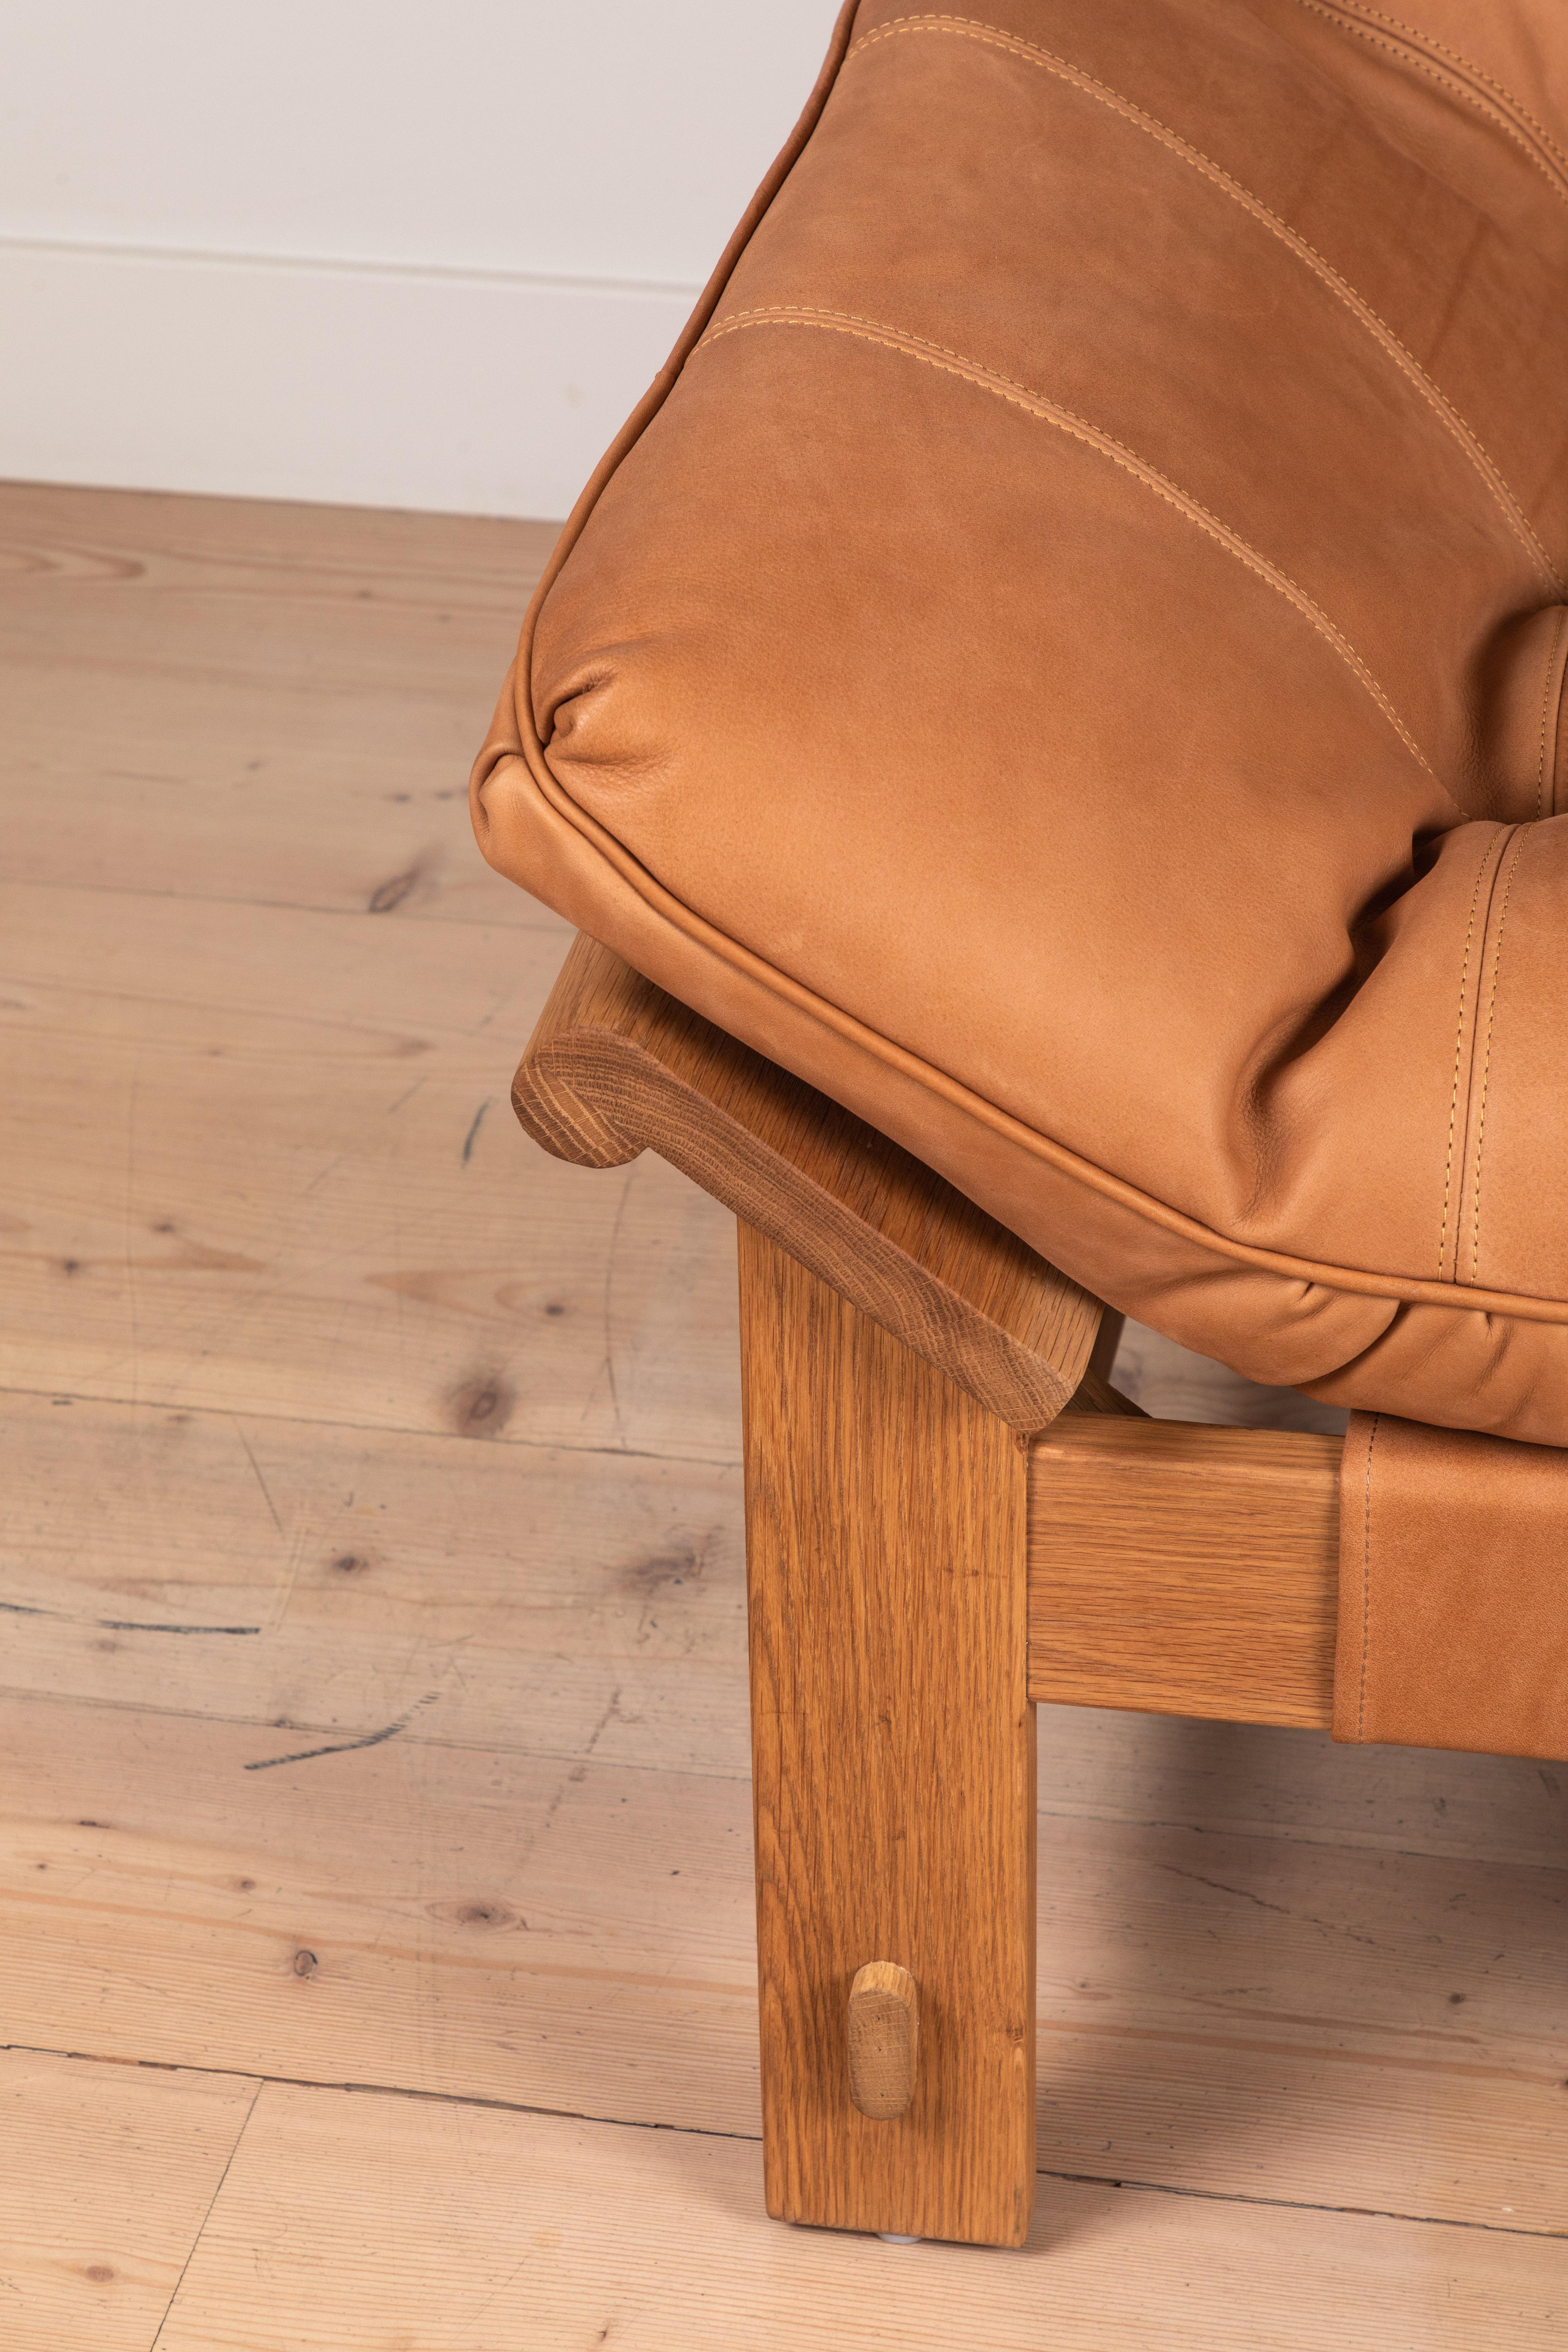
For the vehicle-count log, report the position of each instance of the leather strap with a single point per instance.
(1453, 1610)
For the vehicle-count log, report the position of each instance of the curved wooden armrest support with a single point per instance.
(615, 1066)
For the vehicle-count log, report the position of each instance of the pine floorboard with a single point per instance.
(107, 2174)
(372, 1718)
(228, 699)
(419, 2226)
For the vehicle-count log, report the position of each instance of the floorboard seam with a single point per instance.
(207, 2217)
(708, 2131)
(382, 1428)
(1298, 2204)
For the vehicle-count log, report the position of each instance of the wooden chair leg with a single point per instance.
(896, 1422)
(893, 1746)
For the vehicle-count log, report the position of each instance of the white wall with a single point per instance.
(418, 253)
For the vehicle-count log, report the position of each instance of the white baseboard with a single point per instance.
(371, 386)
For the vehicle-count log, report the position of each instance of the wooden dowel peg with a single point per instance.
(884, 2039)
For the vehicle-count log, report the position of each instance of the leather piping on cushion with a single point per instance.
(1336, 1329)
(499, 760)
(1552, 758)
(1339, 1332)
(1452, 1604)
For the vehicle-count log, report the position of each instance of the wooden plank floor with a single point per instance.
(372, 1718)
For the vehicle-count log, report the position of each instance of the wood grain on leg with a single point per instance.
(893, 1748)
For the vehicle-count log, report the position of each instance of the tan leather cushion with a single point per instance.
(1069, 658)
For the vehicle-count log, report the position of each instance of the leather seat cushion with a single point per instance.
(1069, 658)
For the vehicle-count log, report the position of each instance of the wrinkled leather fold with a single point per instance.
(1453, 1610)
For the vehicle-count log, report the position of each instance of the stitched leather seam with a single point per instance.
(973, 372)
(1456, 57)
(1409, 50)
(1366, 1580)
(1551, 699)
(1517, 854)
(1408, 365)
(1459, 1042)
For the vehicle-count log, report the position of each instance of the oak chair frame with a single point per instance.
(951, 1515)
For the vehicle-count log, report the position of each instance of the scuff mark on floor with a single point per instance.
(478, 1119)
(151, 1625)
(346, 1747)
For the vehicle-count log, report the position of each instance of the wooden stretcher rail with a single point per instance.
(1185, 1570)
